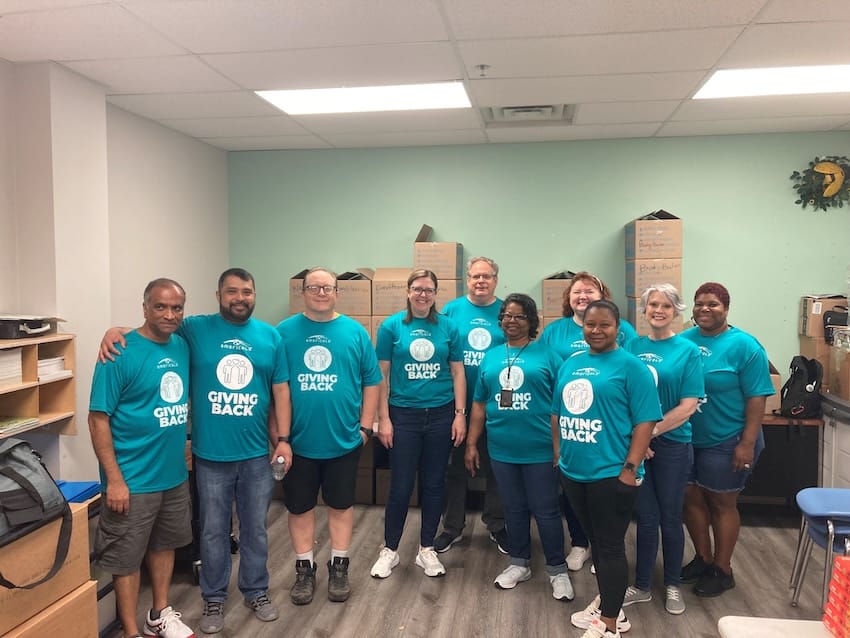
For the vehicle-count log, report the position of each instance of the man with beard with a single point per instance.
(238, 373)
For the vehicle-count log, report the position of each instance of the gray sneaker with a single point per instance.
(263, 608)
(674, 603)
(339, 588)
(635, 595)
(305, 583)
(212, 618)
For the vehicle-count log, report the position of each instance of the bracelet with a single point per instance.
(367, 432)
(630, 467)
(283, 439)
(460, 411)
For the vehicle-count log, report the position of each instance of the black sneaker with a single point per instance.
(501, 540)
(338, 587)
(305, 583)
(693, 570)
(714, 582)
(444, 541)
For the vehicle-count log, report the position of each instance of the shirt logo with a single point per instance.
(234, 371)
(236, 344)
(650, 357)
(168, 362)
(586, 372)
(479, 338)
(705, 351)
(421, 349)
(317, 339)
(317, 358)
(577, 396)
(171, 387)
(512, 378)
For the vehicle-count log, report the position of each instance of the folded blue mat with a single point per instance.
(78, 491)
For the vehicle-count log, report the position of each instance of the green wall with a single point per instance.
(538, 208)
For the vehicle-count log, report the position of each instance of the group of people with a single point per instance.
(585, 420)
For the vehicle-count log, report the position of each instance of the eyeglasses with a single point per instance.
(506, 316)
(484, 276)
(423, 291)
(314, 290)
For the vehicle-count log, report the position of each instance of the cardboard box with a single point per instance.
(377, 320)
(389, 290)
(382, 488)
(657, 235)
(444, 258)
(554, 286)
(812, 308)
(839, 373)
(30, 557)
(354, 296)
(73, 616)
(449, 289)
(774, 402)
(639, 322)
(817, 348)
(642, 273)
(366, 321)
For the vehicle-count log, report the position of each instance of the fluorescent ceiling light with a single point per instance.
(365, 99)
(791, 80)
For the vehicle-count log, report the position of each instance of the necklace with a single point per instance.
(506, 396)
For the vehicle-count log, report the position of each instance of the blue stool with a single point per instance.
(825, 523)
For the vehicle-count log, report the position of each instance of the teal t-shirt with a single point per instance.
(479, 332)
(330, 362)
(676, 365)
(566, 337)
(521, 433)
(145, 393)
(598, 400)
(419, 353)
(736, 369)
(233, 369)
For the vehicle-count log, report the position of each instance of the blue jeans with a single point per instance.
(422, 441)
(251, 483)
(531, 489)
(659, 503)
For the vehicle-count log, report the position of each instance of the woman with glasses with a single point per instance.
(421, 414)
(514, 394)
(566, 337)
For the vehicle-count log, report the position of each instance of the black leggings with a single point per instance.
(604, 509)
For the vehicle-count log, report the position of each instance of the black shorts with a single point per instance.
(337, 478)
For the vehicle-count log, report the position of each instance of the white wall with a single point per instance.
(8, 253)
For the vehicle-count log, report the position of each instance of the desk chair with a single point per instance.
(825, 523)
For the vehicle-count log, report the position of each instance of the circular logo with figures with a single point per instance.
(171, 387)
(421, 349)
(514, 381)
(479, 338)
(234, 371)
(317, 358)
(577, 396)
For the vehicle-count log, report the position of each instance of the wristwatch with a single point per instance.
(460, 411)
(283, 439)
(368, 432)
(630, 467)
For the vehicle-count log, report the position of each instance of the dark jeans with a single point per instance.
(659, 503)
(604, 509)
(577, 536)
(531, 489)
(422, 440)
(457, 478)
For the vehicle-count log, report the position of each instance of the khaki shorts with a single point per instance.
(156, 521)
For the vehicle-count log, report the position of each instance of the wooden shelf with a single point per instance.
(53, 401)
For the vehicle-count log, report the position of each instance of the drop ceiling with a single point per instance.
(625, 68)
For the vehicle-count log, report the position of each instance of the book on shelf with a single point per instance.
(11, 424)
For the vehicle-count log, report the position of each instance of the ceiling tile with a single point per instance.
(479, 19)
(236, 126)
(16, 6)
(194, 105)
(800, 44)
(413, 138)
(80, 33)
(801, 11)
(751, 125)
(572, 90)
(624, 112)
(599, 54)
(389, 122)
(565, 133)
(340, 66)
(173, 74)
(757, 107)
(263, 25)
(266, 142)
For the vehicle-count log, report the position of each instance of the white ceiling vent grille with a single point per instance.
(526, 116)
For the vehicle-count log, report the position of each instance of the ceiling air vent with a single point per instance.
(526, 116)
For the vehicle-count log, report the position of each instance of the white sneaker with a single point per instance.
(562, 588)
(598, 629)
(427, 560)
(383, 567)
(577, 557)
(674, 603)
(635, 595)
(168, 625)
(514, 574)
(584, 618)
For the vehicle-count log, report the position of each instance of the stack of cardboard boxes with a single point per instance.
(553, 289)
(810, 329)
(64, 605)
(653, 256)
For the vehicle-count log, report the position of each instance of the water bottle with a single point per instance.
(279, 468)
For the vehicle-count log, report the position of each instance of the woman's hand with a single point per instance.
(472, 459)
(458, 429)
(107, 349)
(742, 458)
(385, 432)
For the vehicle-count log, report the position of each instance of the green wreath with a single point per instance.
(824, 183)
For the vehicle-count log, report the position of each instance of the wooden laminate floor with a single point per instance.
(465, 602)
